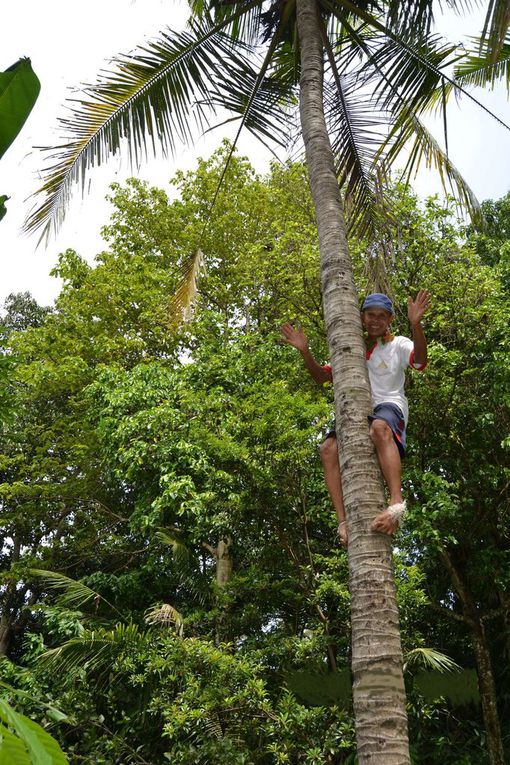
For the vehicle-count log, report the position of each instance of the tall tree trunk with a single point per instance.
(487, 688)
(378, 687)
(5, 635)
(224, 567)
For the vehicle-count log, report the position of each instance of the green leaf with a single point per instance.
(431, 659)
(19, 88)
(12, 751)
(42, 748)
(3, 208)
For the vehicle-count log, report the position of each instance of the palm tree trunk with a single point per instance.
(378, 687)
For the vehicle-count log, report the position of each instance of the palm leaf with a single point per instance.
(245, 26)
(398, 76)
(408, 44)
(95, 652)
(495, 29)
(356, 136)
(186, 293)
(259, 101)
(166, 616)
(180, 551)
(72, 594)
(185, 564)
(147, 98)
(428, 658)
(480, 70)
(410, 132)
(405, 14)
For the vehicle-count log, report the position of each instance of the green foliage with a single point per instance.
(137, 449)
(23, 742)
(3, 208)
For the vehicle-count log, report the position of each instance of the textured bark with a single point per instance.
(487, 690)
(223, 562)
(5, 636)
(224, 567)
(223, 557)
(378, 687)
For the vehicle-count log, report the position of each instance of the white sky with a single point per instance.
(67, 48)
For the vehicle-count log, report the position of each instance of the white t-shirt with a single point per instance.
(387, 363)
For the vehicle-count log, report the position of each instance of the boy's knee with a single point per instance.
(380, 431)
(328, 450)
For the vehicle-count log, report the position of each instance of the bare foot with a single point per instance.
(387, 522)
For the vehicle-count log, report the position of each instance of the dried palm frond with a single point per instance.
(166, 616)
(186, 293)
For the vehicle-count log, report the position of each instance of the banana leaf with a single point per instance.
(19, 88)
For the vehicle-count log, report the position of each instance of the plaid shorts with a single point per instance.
(392, 415)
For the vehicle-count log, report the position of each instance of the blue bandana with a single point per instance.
(378, 300)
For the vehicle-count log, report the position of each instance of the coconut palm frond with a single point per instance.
(244, 26)
(148, 97)
(72, 594)
(408, 127)
(428, 658)
(403, 14)
(166, 616)
(395, 75)
(495, 29)
(347, 8)
(95, 652)
(180, 551)
(478, 69)
(186, 293)
(261, 97)
(186, 565)
(356, 137)
(410, 132)
(260, 103)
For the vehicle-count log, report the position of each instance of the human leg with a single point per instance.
(329, 458)
(388, 455)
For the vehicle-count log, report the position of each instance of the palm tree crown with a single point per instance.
(384, 69)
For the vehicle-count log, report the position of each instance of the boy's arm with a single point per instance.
(298, 339)
(415, 311)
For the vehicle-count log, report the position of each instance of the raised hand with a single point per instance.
(417, 308)
(294, 337)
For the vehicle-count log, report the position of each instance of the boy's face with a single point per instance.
(376, 321)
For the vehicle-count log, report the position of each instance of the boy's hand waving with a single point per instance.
(417, 308)
(294, 337)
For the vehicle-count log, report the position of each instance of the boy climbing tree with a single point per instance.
(387, 359)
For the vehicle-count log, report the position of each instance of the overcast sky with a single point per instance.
(67, 48)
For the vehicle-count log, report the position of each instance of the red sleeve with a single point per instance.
(414, 364)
